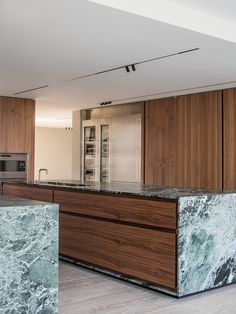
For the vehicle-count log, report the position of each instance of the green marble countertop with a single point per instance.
(125, 188)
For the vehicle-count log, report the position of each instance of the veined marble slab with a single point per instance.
(28, 256)
(206, 242)
(124, 188)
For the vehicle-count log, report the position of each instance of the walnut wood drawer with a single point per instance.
(32, 193)
(141, 253)
(127, 209)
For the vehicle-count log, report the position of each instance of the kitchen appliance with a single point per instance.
(111, 149)
(13, 166)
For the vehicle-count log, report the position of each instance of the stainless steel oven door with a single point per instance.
(13, 166)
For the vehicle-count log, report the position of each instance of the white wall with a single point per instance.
(53, 150)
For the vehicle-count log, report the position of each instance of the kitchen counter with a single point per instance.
(178, 241)
(28, 256)
(124, 188)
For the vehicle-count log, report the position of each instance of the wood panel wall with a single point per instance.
(199, 138)
(160, 141)
(17, 128)
(229, 114)
(183, 141)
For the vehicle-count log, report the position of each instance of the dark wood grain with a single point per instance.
(17, 128)
(229, 181)
(32, 193)
(160, 141)
(183, 141)
(141, 253)
(140, 211)
(199, 135)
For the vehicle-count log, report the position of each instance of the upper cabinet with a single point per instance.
(17, 128)
(229, 102)
(183, 141)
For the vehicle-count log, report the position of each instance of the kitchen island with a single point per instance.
(178, 241)
(28, 256)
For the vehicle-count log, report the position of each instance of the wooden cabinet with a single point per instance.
(229, 171)
(160, 142)
(183, 141)
(134, 210)
(17, 128)
(133, 236)
(199, 140)
(141, 253)
(32, 193)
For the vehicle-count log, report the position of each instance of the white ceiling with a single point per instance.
(224, 9)
(48, 42)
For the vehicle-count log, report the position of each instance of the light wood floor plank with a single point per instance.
(84, 291)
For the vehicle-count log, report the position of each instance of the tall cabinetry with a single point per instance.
(17, 128)
(96, 150)
(111, 143)
(229, 114)
(183, 141)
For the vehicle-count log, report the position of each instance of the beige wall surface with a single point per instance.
(53, 151)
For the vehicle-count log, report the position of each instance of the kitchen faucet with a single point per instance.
(40, 170)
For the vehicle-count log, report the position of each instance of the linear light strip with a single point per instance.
(133, 64)
(32, 89)
(112, 69)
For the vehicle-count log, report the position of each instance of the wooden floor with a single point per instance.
(84, 291)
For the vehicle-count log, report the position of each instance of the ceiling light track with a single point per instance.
(30, 90)
(132, 66)
(128, 68)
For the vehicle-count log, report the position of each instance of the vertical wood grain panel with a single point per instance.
(17, 128)
(229, 97)
(183, 141)
(199, 137)
(160, 141)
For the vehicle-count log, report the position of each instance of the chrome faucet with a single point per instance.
(40, 170)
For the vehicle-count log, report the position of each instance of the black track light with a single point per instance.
(106, 103)
(133, 67)
(130, 67)
(127, 69)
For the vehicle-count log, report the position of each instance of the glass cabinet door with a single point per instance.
(104, 157)
(89, 153)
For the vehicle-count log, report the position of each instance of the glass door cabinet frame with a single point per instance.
(95, 150)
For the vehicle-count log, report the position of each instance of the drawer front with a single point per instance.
(31, 193)
(138, 252)
(140, 211)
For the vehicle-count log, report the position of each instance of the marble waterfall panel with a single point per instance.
(206, 242)
(29, 258)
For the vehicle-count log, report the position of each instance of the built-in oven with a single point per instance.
(13, 166)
